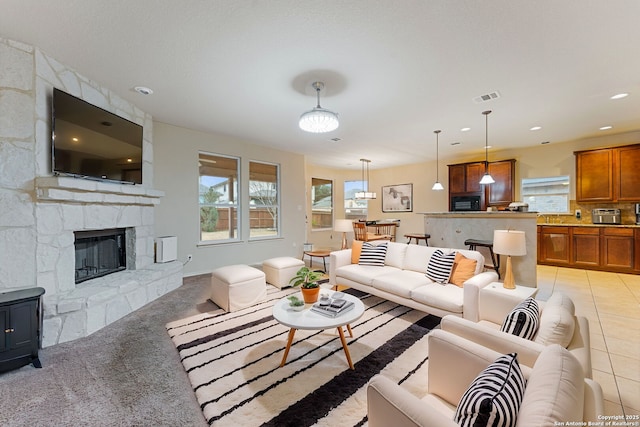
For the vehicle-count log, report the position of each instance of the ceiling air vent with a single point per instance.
(488, 97)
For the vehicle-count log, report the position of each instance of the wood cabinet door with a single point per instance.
(474, 175)
(555, 245)
(457, 181)
(586, 247)
(594, 176)
(501, 193)
(617, 248)
(628, 160)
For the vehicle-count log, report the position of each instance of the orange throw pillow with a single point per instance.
(356, 248)
(463, 269)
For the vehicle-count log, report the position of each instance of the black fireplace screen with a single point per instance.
(99, 252)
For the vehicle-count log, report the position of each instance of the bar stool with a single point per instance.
(418, 237)
(474, 243)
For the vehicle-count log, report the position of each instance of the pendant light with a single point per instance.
(437, 186)
(365, 193)
(318, 120)
(486, 178)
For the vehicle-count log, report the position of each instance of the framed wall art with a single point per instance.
(397, 198)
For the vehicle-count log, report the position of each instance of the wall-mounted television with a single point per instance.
(91, 143)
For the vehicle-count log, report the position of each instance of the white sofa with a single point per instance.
(556, 390)
(558, 325)
(402, 280)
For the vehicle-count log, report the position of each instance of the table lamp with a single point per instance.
(344, 226)
(509, 243)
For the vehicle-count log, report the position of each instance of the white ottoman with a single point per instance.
(279, 271)
(237, 286)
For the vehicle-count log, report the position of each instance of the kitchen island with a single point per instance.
(451, 229)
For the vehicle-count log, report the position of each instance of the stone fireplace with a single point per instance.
(41, 215)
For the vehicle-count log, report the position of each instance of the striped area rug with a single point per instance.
(232, 360)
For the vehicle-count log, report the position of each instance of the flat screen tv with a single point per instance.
(92, 143)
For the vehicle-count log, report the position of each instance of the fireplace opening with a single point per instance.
(99, 252)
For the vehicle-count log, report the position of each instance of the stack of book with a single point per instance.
(332, 307)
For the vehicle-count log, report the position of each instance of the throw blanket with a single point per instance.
(232, 360)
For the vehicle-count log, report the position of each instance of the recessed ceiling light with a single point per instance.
(536, 128)
(143, 90)
(465, 129)
(488, 146)
(606, 127)
(620, 96)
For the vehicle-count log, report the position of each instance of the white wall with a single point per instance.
(176, 173)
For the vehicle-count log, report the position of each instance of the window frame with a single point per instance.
(331, 207)
(559, 180)
(277, 204)
(353, 186)
(237, 198)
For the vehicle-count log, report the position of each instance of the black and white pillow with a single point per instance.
(523, 320)
(372, 254)
(440, 266)
(495, 396)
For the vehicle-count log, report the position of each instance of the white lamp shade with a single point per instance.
(509, 242)
(437, 186)
(343, 225)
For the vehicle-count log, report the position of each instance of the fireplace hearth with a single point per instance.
(99, 252)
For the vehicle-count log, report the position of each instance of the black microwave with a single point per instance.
(465, 203)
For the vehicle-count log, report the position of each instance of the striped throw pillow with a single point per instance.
(495, 396)
(372, 254)
(440, 266)
(523, 320)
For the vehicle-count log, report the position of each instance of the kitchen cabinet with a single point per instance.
(608, 174)
(501, 193)
(586, 247)
(606, 248)
(464, 180)
(628, 160)
(20, 328)
(555, 243)
(617, 248)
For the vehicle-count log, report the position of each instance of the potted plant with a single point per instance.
(295, 303)
(307, 279)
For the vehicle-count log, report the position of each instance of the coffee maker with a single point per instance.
(637, 213)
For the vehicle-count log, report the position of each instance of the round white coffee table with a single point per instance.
(310, 320)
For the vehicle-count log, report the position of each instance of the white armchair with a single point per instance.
(556, 389)
(558, 325)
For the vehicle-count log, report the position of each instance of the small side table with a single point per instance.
(324, 254)
(495, 302)
(418, 237)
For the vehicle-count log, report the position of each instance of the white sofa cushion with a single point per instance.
(417, 257)
(555, 390)
(557, 326)
(400, 282)
(446, 297)
(362, 273)
(395, 255)
(494, 397)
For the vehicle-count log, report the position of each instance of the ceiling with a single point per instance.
(394, 71)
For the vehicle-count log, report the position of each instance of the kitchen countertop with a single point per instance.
(551, 224)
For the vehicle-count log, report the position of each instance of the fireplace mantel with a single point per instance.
(75, 190)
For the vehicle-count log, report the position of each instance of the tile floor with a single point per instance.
(611, 302)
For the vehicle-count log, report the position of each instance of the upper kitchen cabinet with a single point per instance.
(628, 159)
(608, 174)
(501, 192)
(465, 178)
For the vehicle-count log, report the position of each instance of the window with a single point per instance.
(546, 195)
(264, 201)
(218, 195)
(321, 204)
(354, 208)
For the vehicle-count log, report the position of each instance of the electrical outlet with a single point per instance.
(578, 214)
